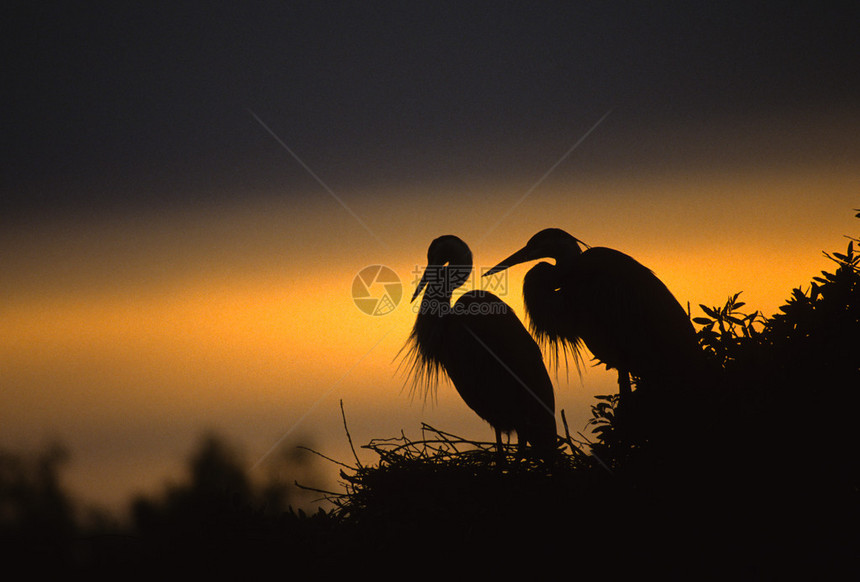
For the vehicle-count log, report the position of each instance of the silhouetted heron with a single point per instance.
(488, 354)
(623, 313)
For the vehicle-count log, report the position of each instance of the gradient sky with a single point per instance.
(188, 191)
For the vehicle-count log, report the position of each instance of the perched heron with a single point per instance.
(605, 299)
(488, 354)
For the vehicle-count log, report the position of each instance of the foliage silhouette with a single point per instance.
(221, 517)
(217, 519)
(799, 368)
(37, 517)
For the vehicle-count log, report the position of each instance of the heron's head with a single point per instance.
(550, 243)
(449, 263)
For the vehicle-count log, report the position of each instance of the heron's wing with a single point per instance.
(495, 363)
(630, 313)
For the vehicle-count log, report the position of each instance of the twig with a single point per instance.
(324, 457)
(327, 494)
(348, 436)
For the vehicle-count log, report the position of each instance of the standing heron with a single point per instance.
(605, 299)
(489, 356)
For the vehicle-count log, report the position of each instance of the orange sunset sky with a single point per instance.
(182, 226)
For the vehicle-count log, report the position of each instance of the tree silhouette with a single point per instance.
(220, 517)
(37, 517)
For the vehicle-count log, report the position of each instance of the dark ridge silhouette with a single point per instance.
(759, 480)
(493, 362)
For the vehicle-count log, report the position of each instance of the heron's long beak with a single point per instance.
(420, 286)
(521, 256)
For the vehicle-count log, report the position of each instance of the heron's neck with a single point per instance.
(428, 332)
(436, 301)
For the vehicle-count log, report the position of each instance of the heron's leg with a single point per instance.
(521, 445)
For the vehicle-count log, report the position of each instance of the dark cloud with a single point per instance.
(155, 98)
